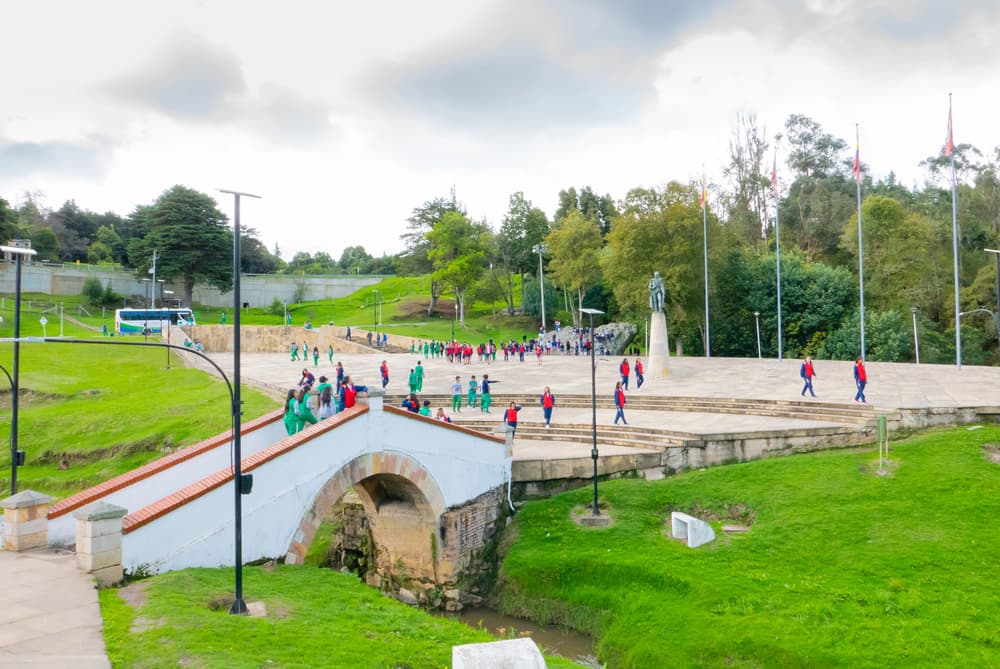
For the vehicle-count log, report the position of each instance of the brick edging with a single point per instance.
(146, 515)
(440, 423)
(121, 481)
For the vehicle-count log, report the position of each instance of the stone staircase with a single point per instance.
(855, 414)
(624, 435)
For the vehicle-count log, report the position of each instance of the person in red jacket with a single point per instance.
(349, 393)
(548, 401)
(620, 403)
(638, 374)
(510, 416)
(624, 370)
(384, 370)
(860, 380)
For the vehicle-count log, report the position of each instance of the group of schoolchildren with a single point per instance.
(305, 353)
(329, 399)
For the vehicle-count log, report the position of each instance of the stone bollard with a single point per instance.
(99, 542)
(26, 521)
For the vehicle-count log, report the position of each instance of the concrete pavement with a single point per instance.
(50, 618)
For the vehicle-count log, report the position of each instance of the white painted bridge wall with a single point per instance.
(201, 533)
(142, 493)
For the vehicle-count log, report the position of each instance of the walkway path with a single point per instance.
(50, 618)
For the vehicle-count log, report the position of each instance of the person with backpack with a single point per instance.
(624, 370)
(807, 372)
(639, 378)
(860, 380)
(620, 403)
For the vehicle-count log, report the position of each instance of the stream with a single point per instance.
(551, 639)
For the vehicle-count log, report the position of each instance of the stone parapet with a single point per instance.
(99, 542)
(25, 521)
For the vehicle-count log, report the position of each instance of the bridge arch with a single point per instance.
(403, 504)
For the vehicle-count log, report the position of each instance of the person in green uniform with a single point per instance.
(315, 356)
(473, 387)
(456, 395)
(425, 410)
(412, 346)
(487, 399)
(419, 371)
(413, 381)
(427, 348)
(295, 351)
(302, 410)
(291, 420)
(329, 353)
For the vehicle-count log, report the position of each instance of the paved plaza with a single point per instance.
(890, 385)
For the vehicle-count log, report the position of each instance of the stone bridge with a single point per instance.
(432, 493)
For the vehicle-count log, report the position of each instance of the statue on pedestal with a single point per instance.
(656, 293)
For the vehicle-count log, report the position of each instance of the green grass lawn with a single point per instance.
(88, 412)
(404, 313)
(315, 618)
(841, 568)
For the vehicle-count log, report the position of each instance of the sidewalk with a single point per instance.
(50, 618)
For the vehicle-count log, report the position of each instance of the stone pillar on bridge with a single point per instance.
(26, 521)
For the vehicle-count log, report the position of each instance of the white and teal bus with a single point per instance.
(150, 321)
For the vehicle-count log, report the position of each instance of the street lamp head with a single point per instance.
(592, 312)
(18, 251)
(914, 310)
(756, 314)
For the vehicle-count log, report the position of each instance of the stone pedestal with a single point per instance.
(659, 350)
(26, 521)
(99, 542)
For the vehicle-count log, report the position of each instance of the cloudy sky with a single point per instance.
(344, 116)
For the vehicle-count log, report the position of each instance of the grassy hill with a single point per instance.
(840, 568)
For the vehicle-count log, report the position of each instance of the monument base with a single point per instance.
(659, 351)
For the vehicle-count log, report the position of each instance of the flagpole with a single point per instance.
(950, 150)
(704, 227)
(777, 244)
(861, 252)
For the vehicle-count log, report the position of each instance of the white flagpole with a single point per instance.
(861, 252)
(950, 148)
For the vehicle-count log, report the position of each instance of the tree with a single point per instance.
(254, 256)
(354, 259)
(8, 222)
(44, 241)
(415, 259)
(524, 226)
(192, 240)
(813, 152)
(746, 202)
(575, 248)
(109, 237)
(600, 209)
(457, 250)
(660, 231)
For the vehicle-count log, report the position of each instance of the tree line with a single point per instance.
(599, 252)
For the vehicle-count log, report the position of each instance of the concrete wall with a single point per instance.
(258, 289)
(457, 463)
(261, 290)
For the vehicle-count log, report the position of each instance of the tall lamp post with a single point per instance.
(240, 486)
(916, 341)
(16, 456)
(756, 318)
(375, 317)
(593, 398)
(145, 320)
(540, 249)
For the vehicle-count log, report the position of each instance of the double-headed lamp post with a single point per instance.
(593, 397)
(541, 249)
(16, 456)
